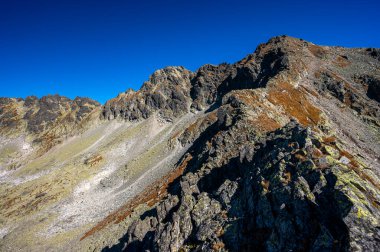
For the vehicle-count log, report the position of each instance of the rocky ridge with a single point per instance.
(47, 120)
(281, 151)
(280, 163)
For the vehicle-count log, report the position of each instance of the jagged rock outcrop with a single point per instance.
(280, 168)
(48, 120)
(289, 185)
(167, 91)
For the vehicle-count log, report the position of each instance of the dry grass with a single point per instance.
(295, 103)
(317, 51)
(264, 123)
(310, 91)
(248, 97)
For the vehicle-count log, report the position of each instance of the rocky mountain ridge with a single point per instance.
(255, 189)
(280, 146)
(49, 119)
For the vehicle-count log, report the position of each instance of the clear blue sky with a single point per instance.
(99, 48)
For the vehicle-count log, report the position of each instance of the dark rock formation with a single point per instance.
(247, 193)
(274, 170)
(45, 111)
(274, 194)
(374, 52)
(167, 91)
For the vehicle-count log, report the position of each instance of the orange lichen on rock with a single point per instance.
(295, 103)
(150, 196)
(265, 123)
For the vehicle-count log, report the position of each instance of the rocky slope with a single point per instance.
(47, 121)
(277, 152)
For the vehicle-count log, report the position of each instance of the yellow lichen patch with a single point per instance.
(362, 213)
(356, 171)
(295, 103)
(354, 165)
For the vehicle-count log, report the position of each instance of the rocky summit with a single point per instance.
(276, 152)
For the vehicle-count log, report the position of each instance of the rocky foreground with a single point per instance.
(277, 152)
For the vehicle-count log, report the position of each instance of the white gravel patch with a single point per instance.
(92, 200)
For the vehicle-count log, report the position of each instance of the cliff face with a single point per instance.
(277, 152)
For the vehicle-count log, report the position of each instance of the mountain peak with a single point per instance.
(281, 145)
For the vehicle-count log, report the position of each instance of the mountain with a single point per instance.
(276, 152)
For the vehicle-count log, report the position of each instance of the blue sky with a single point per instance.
(99, 48)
